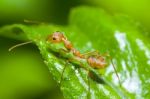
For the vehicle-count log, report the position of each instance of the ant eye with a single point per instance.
(54, 38)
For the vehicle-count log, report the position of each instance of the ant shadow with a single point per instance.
(96, 78)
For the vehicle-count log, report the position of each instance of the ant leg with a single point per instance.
(90, 53)
(108, 55)
(116, 72)
(64, 50)
(63, 73)
(115, 69)
(89, 87)
(17, 45)
(88, 78)
(69, 60)
(33, 22)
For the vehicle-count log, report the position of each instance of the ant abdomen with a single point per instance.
(96, 62)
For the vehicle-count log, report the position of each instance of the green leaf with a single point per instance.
(124, 40)
(93, 29)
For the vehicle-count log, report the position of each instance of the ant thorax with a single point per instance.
(67, 44)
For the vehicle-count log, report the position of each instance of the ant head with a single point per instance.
(56, 37)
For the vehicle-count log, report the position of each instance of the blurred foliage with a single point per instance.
(22, 77)
(55, 11)
(137, 9)
(23, 74)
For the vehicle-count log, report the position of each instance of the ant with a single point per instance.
(95, 60)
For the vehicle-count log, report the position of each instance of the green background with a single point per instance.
(23, 74)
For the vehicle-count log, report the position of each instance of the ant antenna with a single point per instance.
(17, 45)
(33, 22)
(115, 71)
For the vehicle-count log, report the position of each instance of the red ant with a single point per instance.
(95, 60)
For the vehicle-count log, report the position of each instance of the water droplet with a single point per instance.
(121, 38)
(133, 84)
